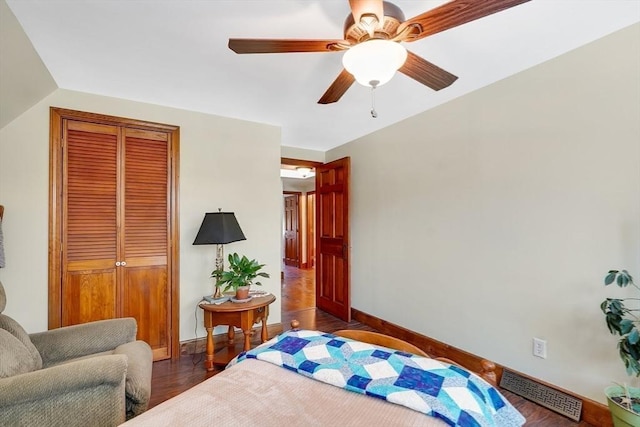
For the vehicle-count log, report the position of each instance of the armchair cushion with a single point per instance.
(15, 358)
(32, 359)
(72, 342)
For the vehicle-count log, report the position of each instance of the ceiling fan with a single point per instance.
(374, 25)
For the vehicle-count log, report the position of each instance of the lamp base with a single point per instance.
(218, 293)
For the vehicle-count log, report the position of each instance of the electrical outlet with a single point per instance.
(540, 348)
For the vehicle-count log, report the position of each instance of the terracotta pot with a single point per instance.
(242, 292)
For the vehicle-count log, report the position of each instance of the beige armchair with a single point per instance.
(93, 374)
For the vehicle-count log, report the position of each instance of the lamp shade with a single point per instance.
(374, 62)
(219, 228)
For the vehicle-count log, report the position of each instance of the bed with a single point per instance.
(300, 378)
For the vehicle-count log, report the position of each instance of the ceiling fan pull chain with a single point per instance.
(374, 84)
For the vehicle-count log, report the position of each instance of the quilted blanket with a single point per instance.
(447, 392)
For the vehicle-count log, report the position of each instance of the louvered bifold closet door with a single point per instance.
(90, 219)
(145, 240)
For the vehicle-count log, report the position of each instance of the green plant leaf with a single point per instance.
(626, 326)
(242, 271)
(633, 337)
(610, 277)
(628, 276)
(616, 306)
(630, 355)
(613, 323)
(622, 280)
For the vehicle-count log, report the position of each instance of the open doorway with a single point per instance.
(330, 231)
(298, 235)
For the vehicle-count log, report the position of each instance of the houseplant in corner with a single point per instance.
(624, 401)
(240, 275)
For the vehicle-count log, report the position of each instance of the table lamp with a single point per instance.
(219, 228)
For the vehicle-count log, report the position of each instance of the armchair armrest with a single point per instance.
(139, 368)
(74, 392)
(69, 342)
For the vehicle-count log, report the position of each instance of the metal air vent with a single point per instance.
(548, 397)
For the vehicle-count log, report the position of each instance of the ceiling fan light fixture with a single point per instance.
(374, 62)
(304, 171)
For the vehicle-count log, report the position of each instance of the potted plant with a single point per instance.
(624, 401)
(240, 275)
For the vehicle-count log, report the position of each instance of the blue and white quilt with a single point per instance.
(440, 390)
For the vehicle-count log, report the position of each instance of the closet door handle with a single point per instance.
(123, 263)
(117, 263)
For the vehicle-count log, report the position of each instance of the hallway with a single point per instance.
(298, 289)
(299, 303)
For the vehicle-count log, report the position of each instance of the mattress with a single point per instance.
(258, 393)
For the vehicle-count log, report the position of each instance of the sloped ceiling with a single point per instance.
(24, 79)
(175, 53)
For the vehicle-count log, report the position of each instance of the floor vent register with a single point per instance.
(555, 400)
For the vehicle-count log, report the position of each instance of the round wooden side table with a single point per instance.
(242, 315)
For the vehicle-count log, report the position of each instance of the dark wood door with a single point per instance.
(117, 247)
(311, 229)
(332, 238)
(291, 230)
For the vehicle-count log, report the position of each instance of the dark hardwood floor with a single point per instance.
(298, 302)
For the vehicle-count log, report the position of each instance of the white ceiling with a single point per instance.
(174, 53)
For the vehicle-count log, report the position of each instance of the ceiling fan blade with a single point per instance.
(285, 46)
(337, 88)
(426, 73)
(367, 7)
(453, 14)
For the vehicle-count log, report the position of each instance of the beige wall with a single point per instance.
(214, 152)
(302, 154)
(24, 80)
(493, 219)
(301, 185)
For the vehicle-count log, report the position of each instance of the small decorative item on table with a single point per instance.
(240, 276)
(214, 300)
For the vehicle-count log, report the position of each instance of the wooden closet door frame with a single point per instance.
(57, 115)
